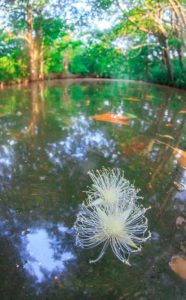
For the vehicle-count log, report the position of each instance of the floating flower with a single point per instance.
(110, 187)
(110, 217)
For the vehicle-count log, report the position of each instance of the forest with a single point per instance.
(92, 149)
(142, 40)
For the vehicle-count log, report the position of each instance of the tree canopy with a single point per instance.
(143, 40)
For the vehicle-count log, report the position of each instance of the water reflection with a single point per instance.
(81, 138)
(6, 156)
(43, 252)
(49, 141)
(42, 259)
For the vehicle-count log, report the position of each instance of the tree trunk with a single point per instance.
(35, 49)
(38, 109)
(180, 57)
(65, 64)
(168, 63)
(33, 60)
(147, 70)
(179, 12)
(166, 57)
(41, 62)
(31, 45)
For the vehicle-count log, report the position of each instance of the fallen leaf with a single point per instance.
(182, 112)
(182, 161)
(180, 221)
(181, 157)
(150, 185)
(183, 247)
(179, 153)
(19, 113)
(110, 116)
(131, 116)
(132, 99)
(113, 118)
(148, 97)
(178, 265)
(179, 186)
(134, 147)
(166, 136)
(169, 125)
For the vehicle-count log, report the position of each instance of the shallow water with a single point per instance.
(49, 141)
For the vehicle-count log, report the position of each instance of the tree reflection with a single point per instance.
(48, 143)
(37, 110)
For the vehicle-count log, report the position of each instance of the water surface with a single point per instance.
(49, 140)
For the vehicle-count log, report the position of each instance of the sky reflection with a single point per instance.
(80, 139)
(43, 174)
(43, 262)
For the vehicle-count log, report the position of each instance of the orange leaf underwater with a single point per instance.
(180, 221)
(134, 147)
(180, 154)
(178, 265)
(112, 118)
(133, 99)
(182, 157)
(182, 112)
(148, 97)
(167, 136)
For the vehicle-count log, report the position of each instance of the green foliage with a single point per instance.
(132, 49)
(53, 61)
(102, 4)
(13, 59)
(79, 65)
(50, 29)
(11, 69)
(98, 60)
(179, 75)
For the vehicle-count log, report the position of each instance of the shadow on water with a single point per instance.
(49, 140)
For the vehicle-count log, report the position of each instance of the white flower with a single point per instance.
(112, 219)
(109, 186)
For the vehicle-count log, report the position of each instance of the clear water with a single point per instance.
(49, 140)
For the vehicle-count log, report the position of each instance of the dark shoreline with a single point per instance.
(76, 79)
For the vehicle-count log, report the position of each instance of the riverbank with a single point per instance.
(74, 77)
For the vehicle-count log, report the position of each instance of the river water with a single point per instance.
(51, 135)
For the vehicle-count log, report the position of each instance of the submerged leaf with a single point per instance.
(180, 221)
(178, 265)
(182, 162)
(179, 186)
(179, 153)
(182, 112)
(133, 99)
(167, 136)
(148, 97)
(181, 157)
(183, 246)
(112, 118)
(135, 147)
(131, 116)
(169, 125)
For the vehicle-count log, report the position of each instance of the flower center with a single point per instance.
(113, 227)
(110, 196)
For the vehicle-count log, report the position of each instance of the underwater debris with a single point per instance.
(180, 221)
(112, 118)
(179, 154)
(178, 265)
